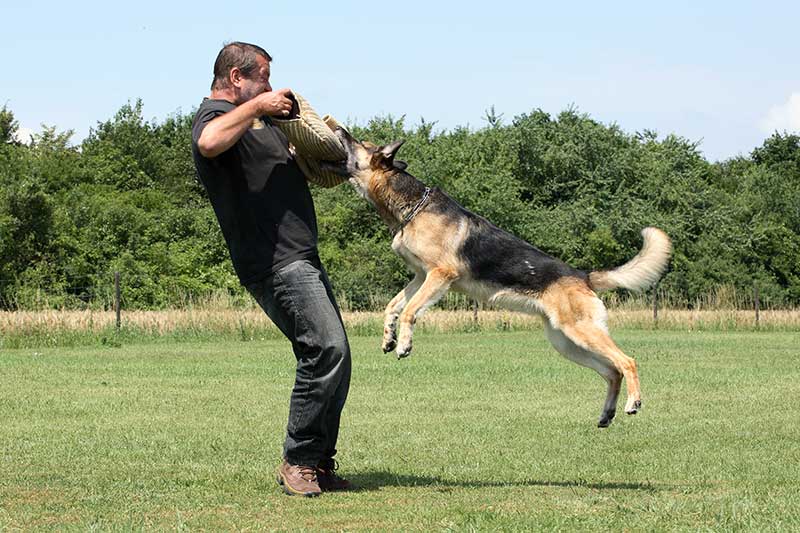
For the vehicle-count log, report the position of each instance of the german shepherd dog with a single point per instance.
(447, 246)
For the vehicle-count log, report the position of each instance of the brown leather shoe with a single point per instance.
(327, 477)
(298, 479)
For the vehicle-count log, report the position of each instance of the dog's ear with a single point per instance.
(390, 150)
(384, 157)
(400, 165)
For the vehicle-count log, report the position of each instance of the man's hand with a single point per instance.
(223, 131)
(275, 103)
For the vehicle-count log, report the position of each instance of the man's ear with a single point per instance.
(235, 76)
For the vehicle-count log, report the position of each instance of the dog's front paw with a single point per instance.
(389, 337)
(389, 344)
(404, 350)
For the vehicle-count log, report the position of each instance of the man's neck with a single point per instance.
(224, 94)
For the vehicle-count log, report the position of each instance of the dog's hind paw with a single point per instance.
(605, 419)
(633, 407)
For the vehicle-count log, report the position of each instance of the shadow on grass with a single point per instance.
(367, 481)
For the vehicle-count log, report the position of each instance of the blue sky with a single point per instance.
(726, 74)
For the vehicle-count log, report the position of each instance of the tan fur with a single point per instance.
(432, 242)
(572, 308)
(377, 188)
(568, 302)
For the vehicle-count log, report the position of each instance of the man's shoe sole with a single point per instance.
(291, 492)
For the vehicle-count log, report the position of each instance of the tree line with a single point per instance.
(126, 199)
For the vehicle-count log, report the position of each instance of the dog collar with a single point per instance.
(417, 208)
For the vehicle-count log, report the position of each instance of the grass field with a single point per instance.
(483, 431)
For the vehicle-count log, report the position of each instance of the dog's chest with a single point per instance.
(411, 259)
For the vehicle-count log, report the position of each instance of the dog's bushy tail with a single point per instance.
(643, 270)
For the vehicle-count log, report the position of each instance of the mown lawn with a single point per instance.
(484, 431)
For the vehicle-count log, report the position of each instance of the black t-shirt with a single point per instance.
(259, 195)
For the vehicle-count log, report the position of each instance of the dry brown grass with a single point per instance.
(241, 321)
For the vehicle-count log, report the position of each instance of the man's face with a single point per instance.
(258, 83)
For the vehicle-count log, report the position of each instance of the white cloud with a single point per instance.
(783, 117)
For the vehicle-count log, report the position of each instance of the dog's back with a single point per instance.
(488, 258)
(498, 257)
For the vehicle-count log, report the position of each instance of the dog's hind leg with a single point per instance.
(392, 312)
(603, 366)
(437, 282)
(595, 339)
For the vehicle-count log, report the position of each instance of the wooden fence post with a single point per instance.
(655, 305)
(757, 302)
(117, 299)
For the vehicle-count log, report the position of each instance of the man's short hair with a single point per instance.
(236, 54)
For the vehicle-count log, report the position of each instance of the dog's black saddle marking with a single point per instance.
(498, 257)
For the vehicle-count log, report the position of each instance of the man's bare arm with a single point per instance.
(223, 131)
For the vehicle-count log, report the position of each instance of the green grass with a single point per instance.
(476, 431)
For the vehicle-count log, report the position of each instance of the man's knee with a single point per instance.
(328, 350)
(331, 362)
(337, 350)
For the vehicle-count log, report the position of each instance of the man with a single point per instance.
(266, 214)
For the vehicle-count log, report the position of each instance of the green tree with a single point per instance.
(8, 126)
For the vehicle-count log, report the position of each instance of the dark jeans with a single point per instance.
(299, 300)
